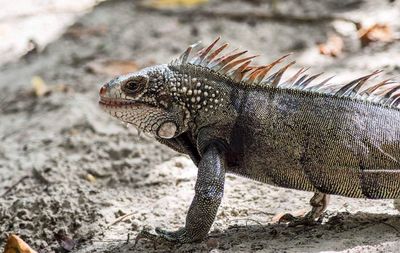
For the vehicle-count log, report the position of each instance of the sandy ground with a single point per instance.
(82, 170)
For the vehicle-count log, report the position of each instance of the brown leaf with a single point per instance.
(17, 245)
(297, 213)
(375, 32)
(332, 47)
(112, 67)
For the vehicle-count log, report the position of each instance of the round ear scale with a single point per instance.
(167, 130)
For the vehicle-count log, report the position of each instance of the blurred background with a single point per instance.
(74, 179)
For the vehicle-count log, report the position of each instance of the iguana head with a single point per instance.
(190, 92)
(142, 99)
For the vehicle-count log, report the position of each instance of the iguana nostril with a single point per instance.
(103, 90)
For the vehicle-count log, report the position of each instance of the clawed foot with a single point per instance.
(318, 202)
(178, 236)
(163, 237)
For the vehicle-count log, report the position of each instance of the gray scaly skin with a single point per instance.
(231, 117)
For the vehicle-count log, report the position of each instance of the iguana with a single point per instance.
(232, 117)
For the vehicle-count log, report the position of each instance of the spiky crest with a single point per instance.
(236, 67)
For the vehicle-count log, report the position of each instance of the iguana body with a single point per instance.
(231, 117)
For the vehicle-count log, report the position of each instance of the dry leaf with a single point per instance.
(297, 213)
(17, 245)
(376, 32)
(165, 4)
(332, 47)
(62, 88)
(39, 86)
(112, 67)
(89, 177)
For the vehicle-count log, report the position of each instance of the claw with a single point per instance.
(167, 235)
(172, 236)
(155, 238)
(162, 236)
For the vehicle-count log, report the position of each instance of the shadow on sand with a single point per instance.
(339, 232)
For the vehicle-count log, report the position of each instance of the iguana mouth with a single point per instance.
(113, 102)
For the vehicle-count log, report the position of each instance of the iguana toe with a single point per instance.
(178, 236)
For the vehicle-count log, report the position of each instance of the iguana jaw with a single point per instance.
(113, 102)
(166, 129)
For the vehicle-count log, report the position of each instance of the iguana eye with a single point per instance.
(131, 86)
(134, 85)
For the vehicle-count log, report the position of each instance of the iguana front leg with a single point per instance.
(208, 195)
(318, 202)
(182, 144)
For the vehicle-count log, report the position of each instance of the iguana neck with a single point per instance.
(203, 96)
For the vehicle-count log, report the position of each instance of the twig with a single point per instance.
(119, 219)
(255, 211)
(255, 221)
(390, 225)
(97, 174)
(14, 185)
(238, 16)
